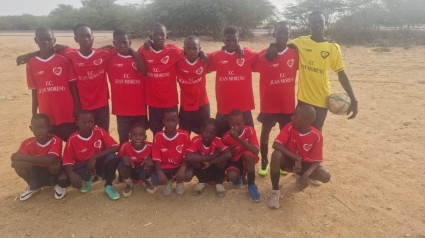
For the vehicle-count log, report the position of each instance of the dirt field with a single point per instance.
(376, 161)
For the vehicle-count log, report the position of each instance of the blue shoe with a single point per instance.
(87, 185)
(112, 193)
(238, 182)
(253, 193)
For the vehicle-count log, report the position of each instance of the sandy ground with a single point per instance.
(376, 161)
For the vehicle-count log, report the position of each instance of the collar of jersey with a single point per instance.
(242, 132)
(304, 134)
(170, 139)
(225, 51)
(124, 56)
(45, 60)
(86, 139)
(88, 56)
(47, 143)
(192, 64)
(138, 151)
(283, 51)
(157, 52)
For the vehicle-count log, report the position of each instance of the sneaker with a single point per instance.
(112, 193)
(274, 199)
(59, 192)
(253, 193)
(87, 185)
(283, 172)
(199, 189)
(220, 190)
(264, 172)
(315, 182)
(179, 188)
(128, 190)
(150, 188)
(168, 188)
(28, 193)
(238, 182)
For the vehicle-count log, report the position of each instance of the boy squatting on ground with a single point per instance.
(316, 57)
(208, 156)
(89, 65)
(136, 161)
(38, 160)
(53, 83)
(277, 89)
(298, 147)
(89, 151)
(243, 144)
(168, 154)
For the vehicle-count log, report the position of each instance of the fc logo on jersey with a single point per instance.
(57, 70)
(134, 65)
(179, 148)
(240, 62)
(97, 144)
(40, 72)
(290, 63)
(97, 62)
(165, 59)
(307, 147)
(200, 70)
(325, 54)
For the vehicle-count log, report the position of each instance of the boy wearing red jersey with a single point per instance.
(168, 154)
(127, 87)
(191, 76)
(52, 81)
(243, 143)
(277, 89)
(298, 147)
(38, 159)
(208, 156)
(89, 151)
(233, 84)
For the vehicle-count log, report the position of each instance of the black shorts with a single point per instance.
(101, 117)
(38, 177)
(321, 114)
(270, 119)
(136, 173)
(63, 130)
(222, 121)
(289, 166)
(155, 118)
(81, 168)
(124, 124)
(238, 165)
(193, 120)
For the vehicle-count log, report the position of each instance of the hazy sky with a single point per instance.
(43, 7)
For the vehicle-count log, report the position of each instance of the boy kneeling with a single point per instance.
(299, 147)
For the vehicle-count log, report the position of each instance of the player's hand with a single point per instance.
(127, 161)
(203, 56)
(23, 59)
(205, 164)
(239, 51)
(91, 166)
(232, 149)
(297, 167)
(352, 109)
(181, 174)
(234, 133)
(303, 181)
(76, 180)
(15, 156)
(59, 48)
(148, 162)
(148, 44)
(272, 52)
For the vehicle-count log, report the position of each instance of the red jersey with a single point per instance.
(248, 135)
(51, 78)
(277, 81)
(91, 75)
(196, 145)
(308, 146)
(137, 156)
(192, 81)
(127, 86)
(79, 149)
(233, 82)
(170, 151)
(161, 78)
(31, 147)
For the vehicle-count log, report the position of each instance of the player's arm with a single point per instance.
(180, 175)
(289, 155)
(34, 106)
(23, 59)
(234, 134)
(141, 67)
(197, 157)
(92, 161)
(75, 97)
(76, 180)
(306, 175)
(345, 83)
(224, 155)
(35, 159)
(161, 176)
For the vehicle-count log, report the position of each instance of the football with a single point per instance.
(339, 103)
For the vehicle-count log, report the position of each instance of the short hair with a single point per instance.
(191, 37)
(170, 110)
(231, 30)
(158, 25)
(210, 121)
(43, 29)
(41, 116)
(120, 32)
(135, 125)
(80, 25)
(235, 113)
(282, 23)
(307, 112)
(85, 112)
(316, 12)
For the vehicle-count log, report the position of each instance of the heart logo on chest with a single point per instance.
(200, 70)
(179, 148)
(290, 63)
(165, 59)
(134, 65)
(57, 70)
(325, 54)
(97, 144)
(240, 62)
(97, 62)
(307, 147)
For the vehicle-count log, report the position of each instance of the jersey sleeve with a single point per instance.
(156, 149)
(68, 157)
(283, 136)
(24, 148)
(72, 76)
(258, 62)
(193, 145)
(30, 78)
(212, 65)
(336, 63)
(316, 154)
(56, 148)
(122, 150)
(253, 140)
(65, 51)
(186, 144)
(220, 145)
(108, 140)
